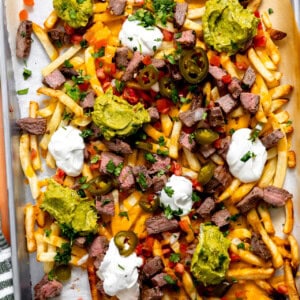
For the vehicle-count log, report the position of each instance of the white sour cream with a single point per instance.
(137, 37)
(241, 144)
(180, 191)
(67, 147)
(120, 273)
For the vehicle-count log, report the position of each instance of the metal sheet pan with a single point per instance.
(17, 191)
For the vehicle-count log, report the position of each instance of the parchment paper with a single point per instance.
(282, 19)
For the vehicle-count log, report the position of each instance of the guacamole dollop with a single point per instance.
(116, 117)
(75, 12)
(66, 206)
(210, 260)
(227, 26)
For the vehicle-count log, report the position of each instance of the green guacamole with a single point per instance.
(75, 12)
(116, 117)
(227, 26)
(66, 206)
(210, 260)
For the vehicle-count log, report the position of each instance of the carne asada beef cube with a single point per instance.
(215, 117)
(132, 66)
(59, 37)
(249, 78)
(187, 141)
(222, 87)
(117, 7)
(175, 73)
(106, 157)
(207, 150)
(191, 117)
(99, 246)
(186, 38)
(259, 247)
(105, 204)
(159, 280)
(162, 163)
(216, 72)
(34, 126)
(121, 57)
(88, 101)
(69, 72)
(159, 182)
(158, 63)
(206, 207)
(180, 14)
(118, 146)
(55, 79)
(80, 241)
(153, 266)
(227, 103)
(221, 179)
(158, 224)
(154, 114)
(98, 260)
(276, 34)
(126, 178)
(250, 201)
(276, 196)
(152, 294)
(197, 101)
(271, 139)
(221, 217)
(224, 146)
(142, 177)
(250, 102)
(235, 88)
(46, 289)
(99, 286)
(23, 39)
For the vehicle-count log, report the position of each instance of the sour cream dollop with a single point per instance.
(137, 37)
(120, 273)
(67, 147)
(177, 194)
(246, 158)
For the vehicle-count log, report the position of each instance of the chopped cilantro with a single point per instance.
(67, 64)
(254, 134)
(73, 91)
(120, 85)
(124, 214)
(164, 9)
(191, 137)
(82, 179)
(142, 181)
(169, 191)
(99, 53)
(84, 43)
(169, 279)
(231, 131)
(171, 59)
(175, 257)
(241, 246)
(145, 17)
(67, 116)
(68, 232)
(161, 141)
(195, 197)
(234, 217)
(26, 73)
(95, 159)
(86, 133)
(149, 157)
(23, 92)
(162, 152)
(174, 95)
(113, 169)
(80, 78)
(105, 202)
(222, 258)
(169, 213)
(63, 254)
(247, 156)
(47, 232)
(270, 11)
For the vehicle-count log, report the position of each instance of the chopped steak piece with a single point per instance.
(126, 178)
(152, 294)
(158, 63)
(154, 114)
(159, 182)
(105, 204)
(227, 103)
(180, 14)
(221, 217)
(88, 101)
(251, 200)
(121, 57)
(191, 117)
(153, 266)
(249, 78)
(220, 180)
(117, 7)
(250, 102)
(187, 141)
(59, 37)
(259, 247)
(34, 126)
(207, 150)
(159, 280)
(197, 101)
(142, 177)
(215, 117)
(224, 146)
(118, 146)
(162, 163)
(99, 246)
(23, 39)
(158, 224)
(187, 38)
(235, 88)
(106, 158)
(80, 241)
(132, 66)
(216, 72)
(271, 139)
(69, 72)
(46, 289)
(175, 73)
(55, 79)
(276, 34)
(276, 196)
(206, 207)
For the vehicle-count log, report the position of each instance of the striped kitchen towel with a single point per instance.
(6, 282)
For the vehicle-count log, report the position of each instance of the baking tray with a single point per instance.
(25, 270)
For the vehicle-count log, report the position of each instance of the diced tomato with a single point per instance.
(145, 96)
(282, 289)
(157, 125)
(101, 43)
(130, 95)
(166, 251)
(234, 257)
(183, 248)
(260, 26)
(139, 2)
(139, 249)
(110, 68)
(240, 294)
(224, 298)
(147, 60)
(171, 264)
(106, 85)
(215, 61)
(28, 2)
(226, 78)
(241, 65)
(69, 30)
(196, 185)
(163, 105)
(168, 36)
(176, 168)
(184, 225)
(76, 38)
(257, 14)
(100, 73)
(217, 143)
(95, 166)
(188, 129)
(179, 268)
(220, 129)
(59, 176)
(259, 41)
(84, 86)
(23, 15)
(91, 150)
(33, 154)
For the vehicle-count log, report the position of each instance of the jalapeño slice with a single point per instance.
(147, 77)
(126, 242)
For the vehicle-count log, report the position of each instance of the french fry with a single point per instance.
(235, 183)
(289, 217)
(195, 13)
(48, 110)
(189, 286)
(268, 172)
(254, 5)
(29, 212)
(278, 104)
(50, 161)
(166, 124)
(250, 273)
(266, 218)
(295, 260)
(51, 20)
(192, 160)
(242, 191)
(290, 282)
(272, 49)
(174, 139)
(281, 91)
(155, 134)
(240, 233)
(291, 156)
(191, 25)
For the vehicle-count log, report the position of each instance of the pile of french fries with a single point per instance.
(250, 269)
